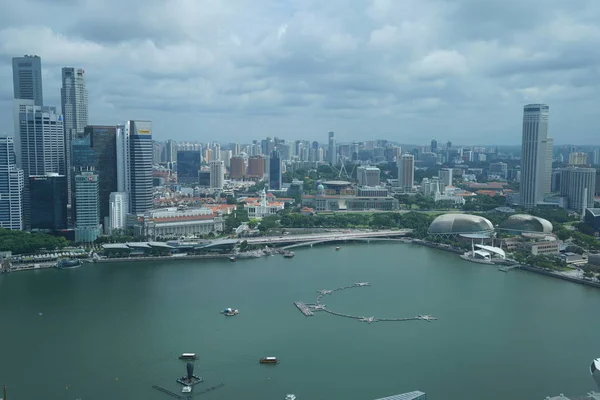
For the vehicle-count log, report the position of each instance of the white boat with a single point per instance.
(186, 389)
(290, 397)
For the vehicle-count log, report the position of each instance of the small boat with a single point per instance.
(230, 312)
(269, 360)
(232, 259)
(188, 356)
(337, 248)
(66, 263)
(186, 389)
(288, 254)
(290, 397)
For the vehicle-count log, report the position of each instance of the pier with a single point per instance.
(187, 397)
(309, 309)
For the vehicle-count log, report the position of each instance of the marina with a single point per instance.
(304, 309)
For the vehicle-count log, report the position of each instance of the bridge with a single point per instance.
(311, 239)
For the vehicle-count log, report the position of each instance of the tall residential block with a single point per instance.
(275, 170)
(256, 167)
(332, 149)
(578, 185)
(27, 79)
(11, 187)
(578, 158)
(406, 172)
(237, 169)
(217, 174)
(87, 207)
(48, 202)
(536, 157)
(74, 103)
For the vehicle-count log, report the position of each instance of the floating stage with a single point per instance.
(309, 309)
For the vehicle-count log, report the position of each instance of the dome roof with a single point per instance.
(320, 187)
(526, 223)
(460, 223)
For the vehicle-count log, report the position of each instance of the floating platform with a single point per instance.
(194, 380)
(304, 309)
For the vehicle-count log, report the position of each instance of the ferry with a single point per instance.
(269, 360)
(230, 312)
(188, 356)
(66, 263)
(232, 259)
(290, 397)
(288, 254)
(337, 248)
(186, 389)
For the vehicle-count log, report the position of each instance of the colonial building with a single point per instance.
(323, 202)
(175, 222)
(260, 208)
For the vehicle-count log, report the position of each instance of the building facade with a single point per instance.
(188, 165)
(175, 223)
(406, 172)
(87, 207)
(11, 187)
(256, 167)
(237, 169)
(445, 176)
(49, 202)
(368, 176)
(262, 208)
(332, 149)
(275, 170)
(536, 155)
(118, 209)
(217, 174)
(578, 185)
(27, 79)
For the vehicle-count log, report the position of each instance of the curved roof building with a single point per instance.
(454, 224)
(526, 223)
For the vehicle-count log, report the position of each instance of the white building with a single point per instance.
(406, 172)
(261, 208)
(217, 174)
(173, 223)
(11, 187)
(87, 207)
(118, 209)
(368, 176)
(536, 158)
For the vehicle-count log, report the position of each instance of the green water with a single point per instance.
(111, 331)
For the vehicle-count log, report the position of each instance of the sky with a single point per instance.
(237, 70)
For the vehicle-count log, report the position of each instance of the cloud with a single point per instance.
(238, 70)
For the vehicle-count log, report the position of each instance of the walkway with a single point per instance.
(328, 237)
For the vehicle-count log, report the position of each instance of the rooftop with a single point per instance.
(406, 396)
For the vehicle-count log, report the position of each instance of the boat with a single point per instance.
(288, 254)
(269, 360)
(188, 356)
(337, 248)
(232, 259)
(66, 263)
(290, 397)
(186, 389)
(230, 312)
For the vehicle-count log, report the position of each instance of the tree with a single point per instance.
(268, 222)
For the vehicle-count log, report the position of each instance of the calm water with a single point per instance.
(112, 331)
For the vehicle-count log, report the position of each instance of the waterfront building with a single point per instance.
(74, 104)
(188, 165)
(406, 172)
(456, 224)
(48, 202)
(87, 207)
(415, 395)
(368, 176)
(27, 79)
(536, 157)
(237, 168)
(118, 209)
(260, 208)
(217, 174)
(523, 223)
(445, 176)
(174, 223)
(578, 185)
(275, 170)
(256, 167)
(11, 187)
(332, 150)
(578, 158)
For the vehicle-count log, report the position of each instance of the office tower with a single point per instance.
(39, 145)
(117, 212)
(536, 161)
(500, 169)
(48, 202)
(226, 157)
(74, 102)
(578, 158)
(267, 146)
(368, 176)
(236, 149)
(134, 164)
(578, 186)
(87, 207)
(204, 178)
(238, 168)
(11, 187)
(171, 150)
(27, 79)
(448, 145)
(217, 174)
(156, 152)
(445, 176)
(275, 170)
(188, 165)
(433, 145)
(406, 172)
(256, 167)
(332, 150)
(594, 156)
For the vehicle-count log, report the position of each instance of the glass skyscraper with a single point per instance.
(49, 202)
(188, 165)
(87, 207)
(275, 171)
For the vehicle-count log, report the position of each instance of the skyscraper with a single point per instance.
(87, 207)
(433, 145)
(275, 170)
(11, 187)
(118, 210)
(445, 175)
(332, 150)
(217, 173)
(536, 158)
(27, 79)
(406, 172)
(188, 165)
(238, 168)
(171, 150)
(368, 176)
(139, 136)
(578, 185)
(48, 202)
(39, 145)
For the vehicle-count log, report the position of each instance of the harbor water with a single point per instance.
(112, 331)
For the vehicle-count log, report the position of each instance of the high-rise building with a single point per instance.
(406, 172)
(171, 150)
(332, 150)
(368, 176)
(204, 178)
(445, 176)
(27, 79)
(500, 169)
(118, 209)
(226, 157)
(275, 170)
(238, 168)
(578, 158)
(217, 174)
(39, 145)
(434, 145)
(48, 202)
(578, 185)
(188, 165)
(536, 160)
(256, 167)
(87, 207)
(11, 187)
(74, 102)
(134, 164)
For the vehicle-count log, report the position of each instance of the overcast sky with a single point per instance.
(234, 70)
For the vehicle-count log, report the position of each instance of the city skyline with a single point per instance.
(458, 71)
